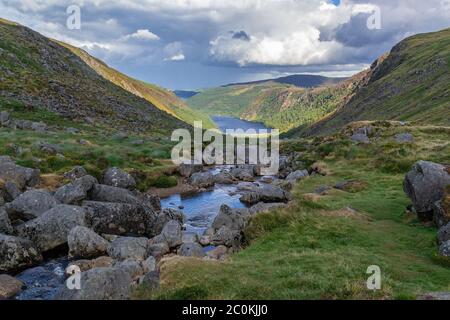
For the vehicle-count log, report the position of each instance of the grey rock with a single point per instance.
(49, 148)
(425, 185)
(149, 265)
(132, 267)
(52, 228)
(232, 219)
(172, 234)
(75, 192)
(119, 218)
(150, 280)
(158, 250)
(165, 216)
(266, 193)
(100, 284)
(75, 173)
(21, 176)
(186, 170)
(436, 296)
(38, 127)
(404, 138)
(265, 207)
(4, 118)
(30, 205)
(444, 234)
(190, 237)
(224, 178)
(227, 237)
(116, 177)
(17, 254)
(297, 175)
(360, 138)
(5, 223)
(244, 173)
(440, 215)
(85, 243)
(9, 286)
(104, 193)
(217, 253)
(12, 192)
(128, 248)
(192, 249)
(202, 180)
(444, 249)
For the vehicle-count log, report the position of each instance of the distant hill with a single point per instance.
(298, 80)
(43, 73)
(411, 83)
(183, 94)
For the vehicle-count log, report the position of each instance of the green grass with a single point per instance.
(309, 251)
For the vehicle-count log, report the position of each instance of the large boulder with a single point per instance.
(298, 175)
(227, 237)
(17, 253)
(31, 205)
(441, 209)
(444, 234)
(444, 249)
(75, 192)
(100, 284)
(120, 218)
(244, 173)
(128, 248)
(116, 177)
(172, 234)
(75, 173)
(9, 286)
(266, 193)
(158, 249)
(51, 229)
(191, 249)
(104, 193)
(165, 216)
(187, 170)
(224, 178)
(425, 185)
(21, 176)
(85, 243)
(202, 180)
(5, 223)
(234, 219)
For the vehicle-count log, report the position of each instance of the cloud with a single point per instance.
(177, 57)
(142, 34)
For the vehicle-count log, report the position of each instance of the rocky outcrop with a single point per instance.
(265, 193)
(51, 229)
(85, 243)
(234, 219)
(425, 185)
(172, 234)
(17, 253)
(30, 205)
(116, 177)
(100, 284)
(165, 216)
(202, 180)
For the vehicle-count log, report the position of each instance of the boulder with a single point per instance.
(9, 286)
(404, 138)
(17, 253)
(435, 296)
(298, 175)
(441, 209)
(227, 237)
(21, 176)
(100, 284)
(12, 192)
(100, 262)
(187, 170)
(224, 178)
(31, 205)
(158, 249)
(190, 237)
(425, 185)
(4, 118)
(218, 253)
(244, 173)
(85, 243)
(5, 223)
(202, 180)
(51, 229)
(119, 218)
(149, 265)
(104, 193)
(116, 177)
(150, 280)
(172, 234)
(49, 148)
(165, 216)
(75, 173)
(232, 219)
(75, 192)
(193, 249)
(444, 249)
(262, 207)
(132, 267)
(127, 248)
(444, 234)
(266, 193)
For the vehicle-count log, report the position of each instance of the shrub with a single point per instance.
(165, 182)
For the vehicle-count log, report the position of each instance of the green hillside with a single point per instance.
(409, 84)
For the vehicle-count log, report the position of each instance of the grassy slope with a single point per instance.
(412, 84)
(277, 105)
(163, 99)
(309, 252)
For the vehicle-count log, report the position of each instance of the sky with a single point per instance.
(193, 44)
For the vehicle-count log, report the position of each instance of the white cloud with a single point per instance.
(142, 34)
(177, 57)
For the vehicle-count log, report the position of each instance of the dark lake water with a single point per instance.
(225, 123)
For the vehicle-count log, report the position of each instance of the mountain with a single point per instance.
(298, 80)
(42, 73)
(411, 83)
(277, 105)
(183, 94)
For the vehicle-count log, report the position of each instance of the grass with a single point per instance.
(314, 251)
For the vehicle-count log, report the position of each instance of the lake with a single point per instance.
(226, 123)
